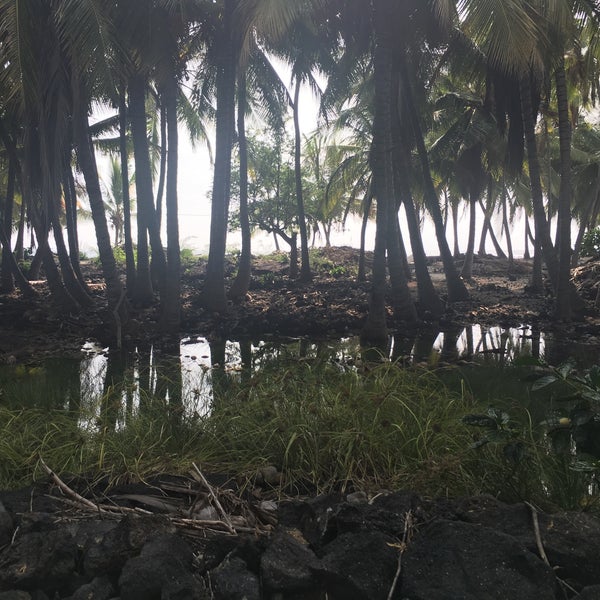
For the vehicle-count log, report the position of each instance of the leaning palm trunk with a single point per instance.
(589, 216)
(87, 161)
(70, 202)
(147, 223)
(402, 302)
(241, 283)
(467, 268)
(456, 287)
(124, 156)
(143, 293)
(68, 274)
(367, 203)
(7, 282)
(16, 274)
(541, 226)
(429, 300)
(172, 305)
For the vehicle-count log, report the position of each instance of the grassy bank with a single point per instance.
(320, 425)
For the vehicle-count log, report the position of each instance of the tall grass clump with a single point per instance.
(326, 426)
(29, 433)
(322, 425)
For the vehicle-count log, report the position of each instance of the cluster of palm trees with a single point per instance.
(436, 98)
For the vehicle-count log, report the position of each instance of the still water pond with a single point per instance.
(187, 376)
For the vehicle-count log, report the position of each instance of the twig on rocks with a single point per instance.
(536, 532)
(67, 490)
(218, 504)
(408, 525)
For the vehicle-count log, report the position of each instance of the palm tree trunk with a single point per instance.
(305, 272)
(587, 218)
(124, 157)
(563, 307)
(456, 287)
(162, 170)
(16, 274)
(467, 268)
(70, 195)
(68, 274)
(172, 305)
(7, 282)
(375, 332)
(456, 248)
(542, 229)
(87, 161)
(367, 203)
(240, 285)
(19, 243)
(402, 302)
(430, 304)
(526, 253)
(214, 297)
(506, 228)
(143, 293)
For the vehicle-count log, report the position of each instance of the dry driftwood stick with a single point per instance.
(402, 546)
(536, 532)
(214, 497)
(67, 490)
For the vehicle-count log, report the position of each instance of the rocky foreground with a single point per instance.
(185, 539)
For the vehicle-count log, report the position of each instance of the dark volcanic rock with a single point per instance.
(100, 588)
(474, 548)
(591, 592)
(39, 560)
(360, 566)
(161, 571)
(232, 580)
(108, 555)
(571, 540)
(7, 526)
(287, 565)
(451, 559)
(15, 595)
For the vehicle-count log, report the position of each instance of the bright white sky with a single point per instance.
(195, 183)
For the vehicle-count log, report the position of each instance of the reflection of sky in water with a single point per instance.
(198, 361)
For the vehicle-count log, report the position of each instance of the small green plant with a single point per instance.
(188, 259)
(338, 271)
(590, 245)
(119, 254)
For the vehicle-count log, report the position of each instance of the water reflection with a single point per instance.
(106, 389)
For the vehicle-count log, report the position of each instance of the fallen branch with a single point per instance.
(408, 525)
(211, 492)
(67, 490)
(536, 532)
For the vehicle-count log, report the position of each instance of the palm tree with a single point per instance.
(52, 63)
(259, 92)
(226, 50)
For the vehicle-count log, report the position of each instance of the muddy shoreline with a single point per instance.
(333, 304)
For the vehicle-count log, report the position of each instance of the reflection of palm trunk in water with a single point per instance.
(423, 345)
(219, 377)
(536, 338)
(113, 390)
(144, 368)
(169, 381)
(450, 344)
(246, 358)
(470, 346)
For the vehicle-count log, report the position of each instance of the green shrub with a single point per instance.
(590, 245)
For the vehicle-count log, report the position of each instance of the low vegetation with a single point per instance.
(316, 426)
